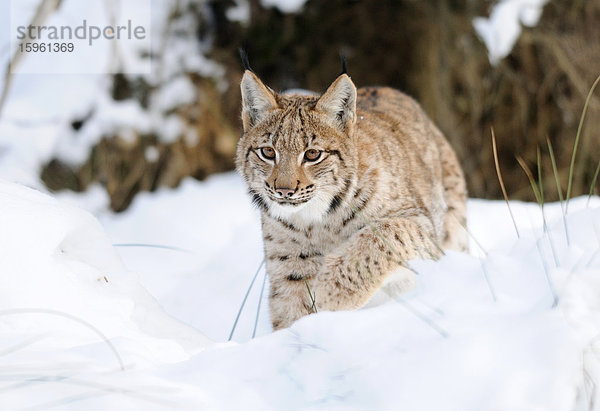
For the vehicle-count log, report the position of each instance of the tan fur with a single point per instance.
(388, 188)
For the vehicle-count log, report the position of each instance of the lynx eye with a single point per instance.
(268, 153)
(312, 155)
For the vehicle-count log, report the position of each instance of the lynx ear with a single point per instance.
(257, 100)
(339, 103)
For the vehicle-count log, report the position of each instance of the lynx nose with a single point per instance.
(285, 192)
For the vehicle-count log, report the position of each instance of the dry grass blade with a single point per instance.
(486, 276)
(260, 299)
(239, 313)
(592, 259)
(576, 144)
(541, 191)
(530, 177)
(558, 187)
(540, 182)
(502, 181)
(539, 195)
(20, 346)
(69, 400)
(541, 188)
(555, 171)
(159, 246)
(593, 185)
(56, 313)
(423, 318)
(540, 200)
(95, 389)
(547, 275)
(464, 227)
(484, 270)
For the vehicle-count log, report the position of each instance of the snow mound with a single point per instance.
(67, 304)
(514, 325)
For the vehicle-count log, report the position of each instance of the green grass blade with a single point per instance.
(312, 297)
(499, 174)
(541, 191)
(558, 188)
(593, 184)
(539, 170)
(576, 144)
(555, 171)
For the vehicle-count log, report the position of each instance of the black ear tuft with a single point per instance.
(343, 58)
(244, 57)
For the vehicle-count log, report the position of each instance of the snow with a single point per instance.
(240, 12)
(172, 128)
(502, 29)
(92, 53)
(69, 310)
(174, 94)
(151, 154)
(285, 6)
(124, 118)
(134, 310)
(33, 131)
(479, 332)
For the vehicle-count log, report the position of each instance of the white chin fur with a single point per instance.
(310, 212)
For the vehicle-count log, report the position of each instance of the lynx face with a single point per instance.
(296, 154)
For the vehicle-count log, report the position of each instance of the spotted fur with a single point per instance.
(386, 188)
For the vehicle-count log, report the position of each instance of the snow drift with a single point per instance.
(513, 326)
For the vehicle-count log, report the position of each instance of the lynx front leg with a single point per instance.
(288, 302)
(287, 274)
(353, 274)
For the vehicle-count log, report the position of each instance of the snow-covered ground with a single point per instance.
(78, 329)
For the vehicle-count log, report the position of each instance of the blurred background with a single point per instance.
(523, 67)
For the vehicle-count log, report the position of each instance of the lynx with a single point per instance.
(351, 185)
